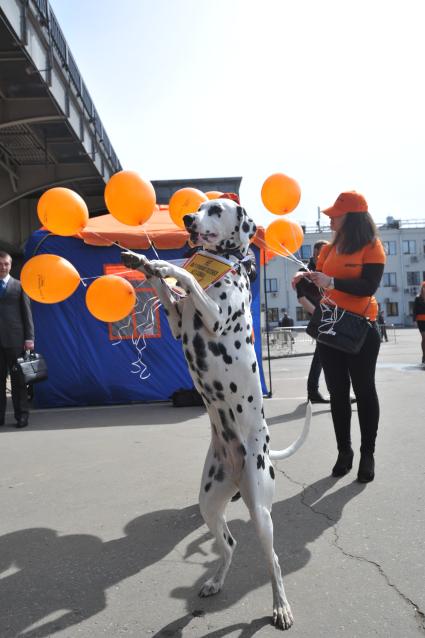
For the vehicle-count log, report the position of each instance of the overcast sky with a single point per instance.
(330, 92)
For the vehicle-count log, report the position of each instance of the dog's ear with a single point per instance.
(247, 227)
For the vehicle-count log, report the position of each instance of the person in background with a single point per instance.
(382, 327)
(287, 322)
(349, 271)
(16, 336)
(309, 297)
(419, 316)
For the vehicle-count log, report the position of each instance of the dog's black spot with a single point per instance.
(254, 366)
(197, 322)
(237, 344)
(232, 416)
(221, 396)
(264, 448)
(267, 438)
(217, 285)
(212, 470)
(223, 295)
(220, 474)
(208, 388)
(216, 325)
(246, 227)
(239, 408)
(250, 398)
(184, 338)
(260, 462)
(218, 385)
(233, 387)
(215, 209)
(229, 310)
(242, 449)
(237, 327)
(207, 487)
(231, 541)
(200, 352)
(271, 470)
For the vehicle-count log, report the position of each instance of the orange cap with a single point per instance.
(348, 202)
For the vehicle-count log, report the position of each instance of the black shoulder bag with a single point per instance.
(32, 367)
(341, 329)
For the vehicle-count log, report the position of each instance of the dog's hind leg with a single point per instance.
(215, 493)
(257, 490)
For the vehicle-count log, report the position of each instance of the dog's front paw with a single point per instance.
(209, 588)
(282, 617)
(131, 260)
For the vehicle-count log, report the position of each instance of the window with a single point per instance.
(389, 279)
(390, 247)
(409, 247)
(424, 246)
(271, 285)
(273, 314)
(413, 278)
(411, 304)
(392, 309)
(302, 314)
(305, 251)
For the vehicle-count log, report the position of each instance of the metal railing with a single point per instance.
(287, 342)
(60, 45)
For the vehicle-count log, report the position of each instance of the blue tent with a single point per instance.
(95, 363)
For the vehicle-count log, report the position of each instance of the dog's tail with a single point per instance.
(278, 455)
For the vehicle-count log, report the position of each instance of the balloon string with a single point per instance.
(286, 255)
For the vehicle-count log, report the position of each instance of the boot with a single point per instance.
(366, 471)
(316, 397)
(343, 464)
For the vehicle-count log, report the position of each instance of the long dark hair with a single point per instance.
(357, 230)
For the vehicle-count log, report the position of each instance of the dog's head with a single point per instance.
(221, 225)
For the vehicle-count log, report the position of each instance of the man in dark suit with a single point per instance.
(16, 335)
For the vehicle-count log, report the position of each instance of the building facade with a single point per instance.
(404, 243)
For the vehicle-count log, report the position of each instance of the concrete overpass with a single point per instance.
(50, 131)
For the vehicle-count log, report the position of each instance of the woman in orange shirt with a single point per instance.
(349, 271)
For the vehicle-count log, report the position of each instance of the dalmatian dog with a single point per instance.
(215, 327)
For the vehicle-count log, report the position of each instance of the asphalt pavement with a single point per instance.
(100, 532)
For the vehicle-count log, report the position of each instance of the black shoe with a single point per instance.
(21, 422)
(316, 397)
(366, 471)
(343, 464)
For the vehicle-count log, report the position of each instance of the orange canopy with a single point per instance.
(158, 230)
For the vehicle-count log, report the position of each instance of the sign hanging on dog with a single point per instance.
(205, 267)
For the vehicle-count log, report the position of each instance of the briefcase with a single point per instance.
(32, 367)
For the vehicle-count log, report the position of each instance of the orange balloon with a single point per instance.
(184, 201)
(49, 278)
(214, 194)
(284, 236)
(110, 298)
(280, 194)
(62, 211)
(129, 198)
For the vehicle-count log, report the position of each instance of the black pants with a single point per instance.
(339, 367)
(8, 358)
(314, 374)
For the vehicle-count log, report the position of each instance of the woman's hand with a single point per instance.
(320, 279)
